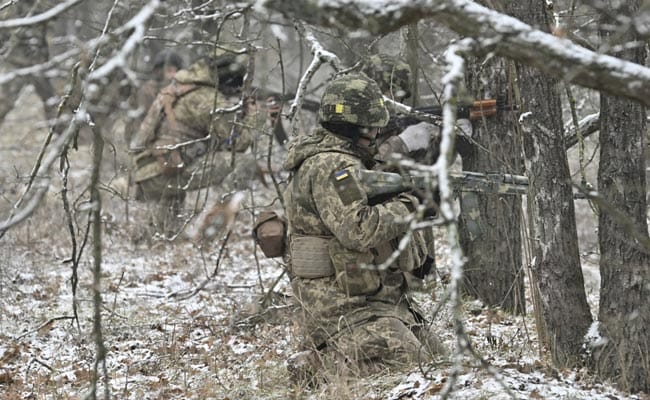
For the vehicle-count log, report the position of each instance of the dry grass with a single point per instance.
(217, 344)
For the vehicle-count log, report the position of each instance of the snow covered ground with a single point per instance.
(229, 340)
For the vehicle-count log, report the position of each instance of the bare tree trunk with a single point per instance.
(557, 276)
(490, 224)
(624, 311)
(412, 41)
(95, 220)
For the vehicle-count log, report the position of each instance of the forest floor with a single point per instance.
(182, 321)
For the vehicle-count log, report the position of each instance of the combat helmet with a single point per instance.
(391, 74)
(353, 99)
(231, 68)
(167, 58)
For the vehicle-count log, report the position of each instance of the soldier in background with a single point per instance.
(183, 145)
(268, 125)
(394, 78)
(420, 142)
(165, 65)
(353, 316)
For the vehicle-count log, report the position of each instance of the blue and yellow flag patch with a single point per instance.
(341, 174)
(347, 186)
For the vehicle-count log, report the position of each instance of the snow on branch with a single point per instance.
(137, 26)
(38, 68)
(41, 188)
(500, 33)
(321, 56)
(39, 18)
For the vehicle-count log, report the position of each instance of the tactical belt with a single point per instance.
(310, 257)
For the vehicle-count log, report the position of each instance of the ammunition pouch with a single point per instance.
(170, 162)
(146, 166)
(157, 162)
(393, 285)
(269, 233)
(310, 256)
(355, 272)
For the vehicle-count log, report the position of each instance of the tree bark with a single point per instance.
(556, 273)
(490, 224)
(624, 311)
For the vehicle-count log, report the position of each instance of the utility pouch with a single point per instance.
(310, 257)
(355, 272)
(392, 287)
(145, 166)
(170, 162)
(269, 233)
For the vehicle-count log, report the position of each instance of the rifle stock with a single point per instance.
(474, 110)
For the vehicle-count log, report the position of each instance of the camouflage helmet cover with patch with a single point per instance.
(391, 74)
(354, 99)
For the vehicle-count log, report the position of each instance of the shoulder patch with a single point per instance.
(347, 186)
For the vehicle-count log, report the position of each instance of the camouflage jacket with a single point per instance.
(193, 97)
(358, 232)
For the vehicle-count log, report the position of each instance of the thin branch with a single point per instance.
(587, 126)
(456, 65)
(43, 325)
(495, 32)
(40, 18)
(137, 26)
(321, 56)
(186, 294)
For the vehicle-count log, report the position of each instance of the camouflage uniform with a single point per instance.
(394, 78)
(351, 311)
(182, 113)
(144, 97)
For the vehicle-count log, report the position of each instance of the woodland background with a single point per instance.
(549, 301)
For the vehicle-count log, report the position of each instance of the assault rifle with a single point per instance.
(474, 110)
(379, 183)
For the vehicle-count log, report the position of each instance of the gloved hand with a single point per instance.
(414, 198)
(419, 136)
(464, 128)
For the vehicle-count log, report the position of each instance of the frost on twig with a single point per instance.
(40, 189)
(451, 82)
(39, 18)
(496, 32)
(136, 26)
(321, 56)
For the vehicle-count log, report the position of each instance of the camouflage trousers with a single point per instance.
(166, 194)
(384, 342)
(358, 335)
